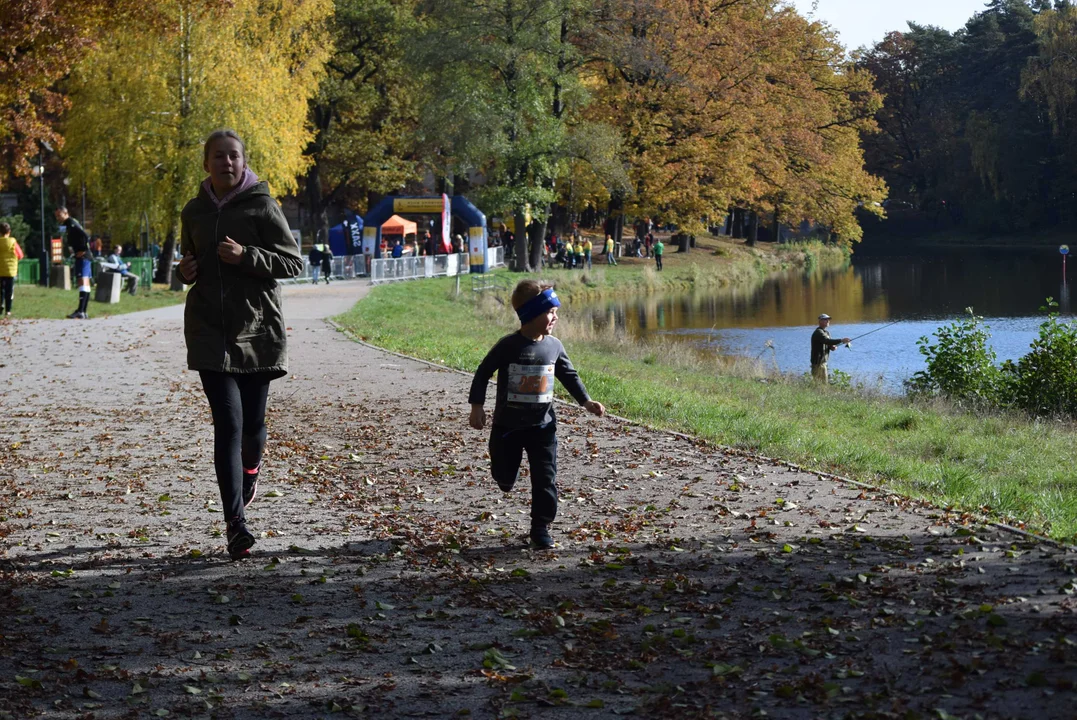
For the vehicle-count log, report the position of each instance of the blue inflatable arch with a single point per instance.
(458, 206)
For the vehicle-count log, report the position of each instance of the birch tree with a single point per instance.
(143, 101)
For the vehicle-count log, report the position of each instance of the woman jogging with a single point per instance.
(235, 244)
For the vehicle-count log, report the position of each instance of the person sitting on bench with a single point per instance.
(115, 263)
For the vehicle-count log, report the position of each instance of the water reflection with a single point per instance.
(1007, 287)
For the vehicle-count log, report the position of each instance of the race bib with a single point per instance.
(530, 384)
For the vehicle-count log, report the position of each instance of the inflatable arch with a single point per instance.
(458, 206)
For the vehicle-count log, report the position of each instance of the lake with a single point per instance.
(774, 322)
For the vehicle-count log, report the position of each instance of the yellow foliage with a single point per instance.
(744, 104)
(145, 99)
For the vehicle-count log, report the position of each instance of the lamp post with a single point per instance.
(38, 171)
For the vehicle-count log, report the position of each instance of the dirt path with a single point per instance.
(390, 578)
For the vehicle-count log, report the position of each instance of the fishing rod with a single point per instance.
(849, 344)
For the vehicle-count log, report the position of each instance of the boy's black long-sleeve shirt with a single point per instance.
(525, 373)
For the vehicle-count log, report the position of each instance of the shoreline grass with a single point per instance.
(33, 302)
(1005, 466)
(715, 262)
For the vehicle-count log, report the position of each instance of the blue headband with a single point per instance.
(537, 306)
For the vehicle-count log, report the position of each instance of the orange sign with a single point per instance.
(57, 250)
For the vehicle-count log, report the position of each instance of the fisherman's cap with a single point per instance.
(824, 316)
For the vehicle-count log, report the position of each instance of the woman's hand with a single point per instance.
(188, 268)
(230, 251)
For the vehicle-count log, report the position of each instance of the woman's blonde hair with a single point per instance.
(223, 133)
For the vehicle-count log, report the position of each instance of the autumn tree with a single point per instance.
(503, 82)
(135, 128)
(734, 103)
(366, 110)
(43, 40)
(970, 122)
(807, 160)
(918, 121)
(1049, 81)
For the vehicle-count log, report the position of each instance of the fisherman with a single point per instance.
(821, 345)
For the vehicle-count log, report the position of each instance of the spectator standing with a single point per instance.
(10, 254)
(398, 248)
(647, 242)
(327, 263)
(315, 259)
(587, 248)
(610, 259)
(508, 239)
(79, 242)
(236, 244)
(659, 249)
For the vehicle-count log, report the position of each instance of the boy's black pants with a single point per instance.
(507, 447)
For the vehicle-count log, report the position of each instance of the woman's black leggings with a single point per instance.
(238, 402)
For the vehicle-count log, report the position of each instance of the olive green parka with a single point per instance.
(233, 321)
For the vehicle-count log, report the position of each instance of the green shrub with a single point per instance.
(1044, 382)
(19, 229)
(960, 366)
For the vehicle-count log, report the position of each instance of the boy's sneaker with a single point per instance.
(250, 485)
(541, 538)
(240, 540)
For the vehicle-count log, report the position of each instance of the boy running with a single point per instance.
(526, 363)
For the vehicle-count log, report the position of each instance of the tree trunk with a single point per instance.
(319, 219)
(777, 225)
(616, 216)
(537, 238)
(738, 223)
(164, 260)
(753, 229)
(519, 253)
(729, 224)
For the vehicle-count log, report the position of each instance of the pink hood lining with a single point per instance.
(246, 182)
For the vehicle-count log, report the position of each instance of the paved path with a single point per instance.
(391, 580)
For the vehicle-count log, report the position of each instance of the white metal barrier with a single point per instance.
(413, 268)
(384, 270)
(344, 266)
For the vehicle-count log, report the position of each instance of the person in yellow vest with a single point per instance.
(10, 254)
(578, 253)
(587, 248)
(610, 259)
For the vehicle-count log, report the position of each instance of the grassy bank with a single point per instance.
(714, 262)
(36, 302)
(1017, 470)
